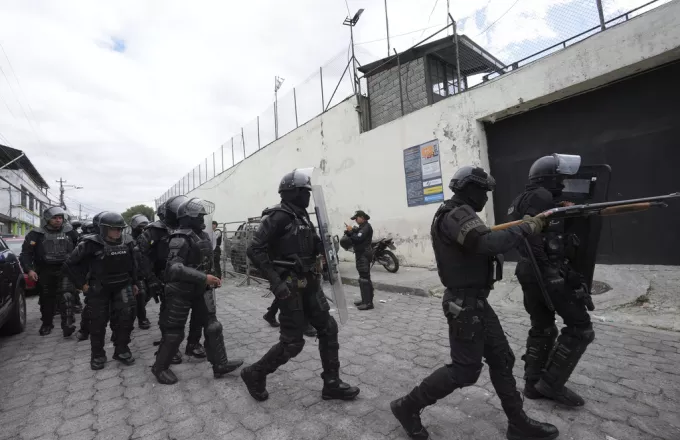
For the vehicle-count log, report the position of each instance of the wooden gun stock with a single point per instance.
(633, 207)
(504, 226)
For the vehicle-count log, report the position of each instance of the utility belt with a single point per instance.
(473, 293)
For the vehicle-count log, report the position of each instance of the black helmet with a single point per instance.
(95, 222)
(554, 166)
(170, 209)
(467, 174)
(87, 227)
(52, 212)
(111, 220)
(76, 224)
(160, 211)
(549, 171)
(138, 221)
(191, 213)
(299, 178)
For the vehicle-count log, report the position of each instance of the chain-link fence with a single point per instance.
(490, 38)
(236, 237)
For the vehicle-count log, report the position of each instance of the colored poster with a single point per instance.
(422, 168)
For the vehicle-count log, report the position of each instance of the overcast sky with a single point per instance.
(124, 97)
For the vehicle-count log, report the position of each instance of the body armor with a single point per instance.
(457, 267)
(297, 241)
(57, 245)
(161, 248)
(200, 251)
(113, 263)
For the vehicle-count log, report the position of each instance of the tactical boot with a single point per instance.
(530, 391)
(334, 388)
(68, 330)
(144, 324)
(271, 320)
(256, 382)
(176, 359)
(82, 335)
(521, 427)
(195, 350)
(46, 329)
(310, 331)
(226, 367)
(165, 377)
(368, 306)
(564, 395)
(124, 357)
(358, 302)
(408, 415)
(98, 361)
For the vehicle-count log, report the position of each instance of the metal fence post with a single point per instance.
(222, 148)
(233, 161)
(600, 11)
(206, 169)
(194, 171)
(258, 132)
(323, 102)
(295, 104)
(455, 32)
(214, 169)
(243, 141)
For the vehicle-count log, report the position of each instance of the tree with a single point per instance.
(138, 209)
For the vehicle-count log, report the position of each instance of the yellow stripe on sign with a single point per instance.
(433, 190)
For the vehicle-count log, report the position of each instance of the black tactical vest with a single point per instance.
(160, 247)
(200, 251)
(112, 264)
(298, 239)
(558, 243)
(57, 246)
(459, 268)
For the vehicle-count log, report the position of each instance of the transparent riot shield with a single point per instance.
(332, 261)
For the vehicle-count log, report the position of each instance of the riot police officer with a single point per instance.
(43, 252)
(88, 229)
(153, 245)
(466, 251)
(361, 238)
(137, 224)
(190, 284)
(110, 265)
(286, 234)
(549, 363)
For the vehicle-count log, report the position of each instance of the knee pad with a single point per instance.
(214, 327)
(67, 298)
(292, 349)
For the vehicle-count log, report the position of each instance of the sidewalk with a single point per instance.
(638, 295)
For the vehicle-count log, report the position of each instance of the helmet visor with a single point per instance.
(567, 164)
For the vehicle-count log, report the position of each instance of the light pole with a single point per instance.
(351, 23)
(277, 85)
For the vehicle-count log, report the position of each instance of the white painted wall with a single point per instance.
(18, 179)
(365, 170)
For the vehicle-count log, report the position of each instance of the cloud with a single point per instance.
(126, 97)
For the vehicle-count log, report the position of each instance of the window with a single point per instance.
(24, 196)
(442, 79)
(31, 202)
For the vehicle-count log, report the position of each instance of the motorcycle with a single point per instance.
(381, 254)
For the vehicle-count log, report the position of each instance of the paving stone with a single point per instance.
(656, 427)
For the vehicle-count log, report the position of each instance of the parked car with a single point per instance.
(14, 243)
(12, 293)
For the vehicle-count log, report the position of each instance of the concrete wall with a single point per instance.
(383, 92)
(365, 170)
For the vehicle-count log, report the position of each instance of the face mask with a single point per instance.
(477, 197)
(299, 197)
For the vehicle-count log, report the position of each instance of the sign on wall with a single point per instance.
(423, 171)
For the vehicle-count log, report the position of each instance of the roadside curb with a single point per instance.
(386, 287)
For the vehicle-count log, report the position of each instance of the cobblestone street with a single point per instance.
(629, 376)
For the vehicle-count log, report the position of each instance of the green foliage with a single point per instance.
(138, 209)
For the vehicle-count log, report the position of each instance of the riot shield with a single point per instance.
(589, 185)
(332, 261)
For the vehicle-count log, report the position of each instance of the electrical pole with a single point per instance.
(80, 212)
(61, 183)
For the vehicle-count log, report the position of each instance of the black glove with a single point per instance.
(155, 289)
(281, 291)
(583, 293)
